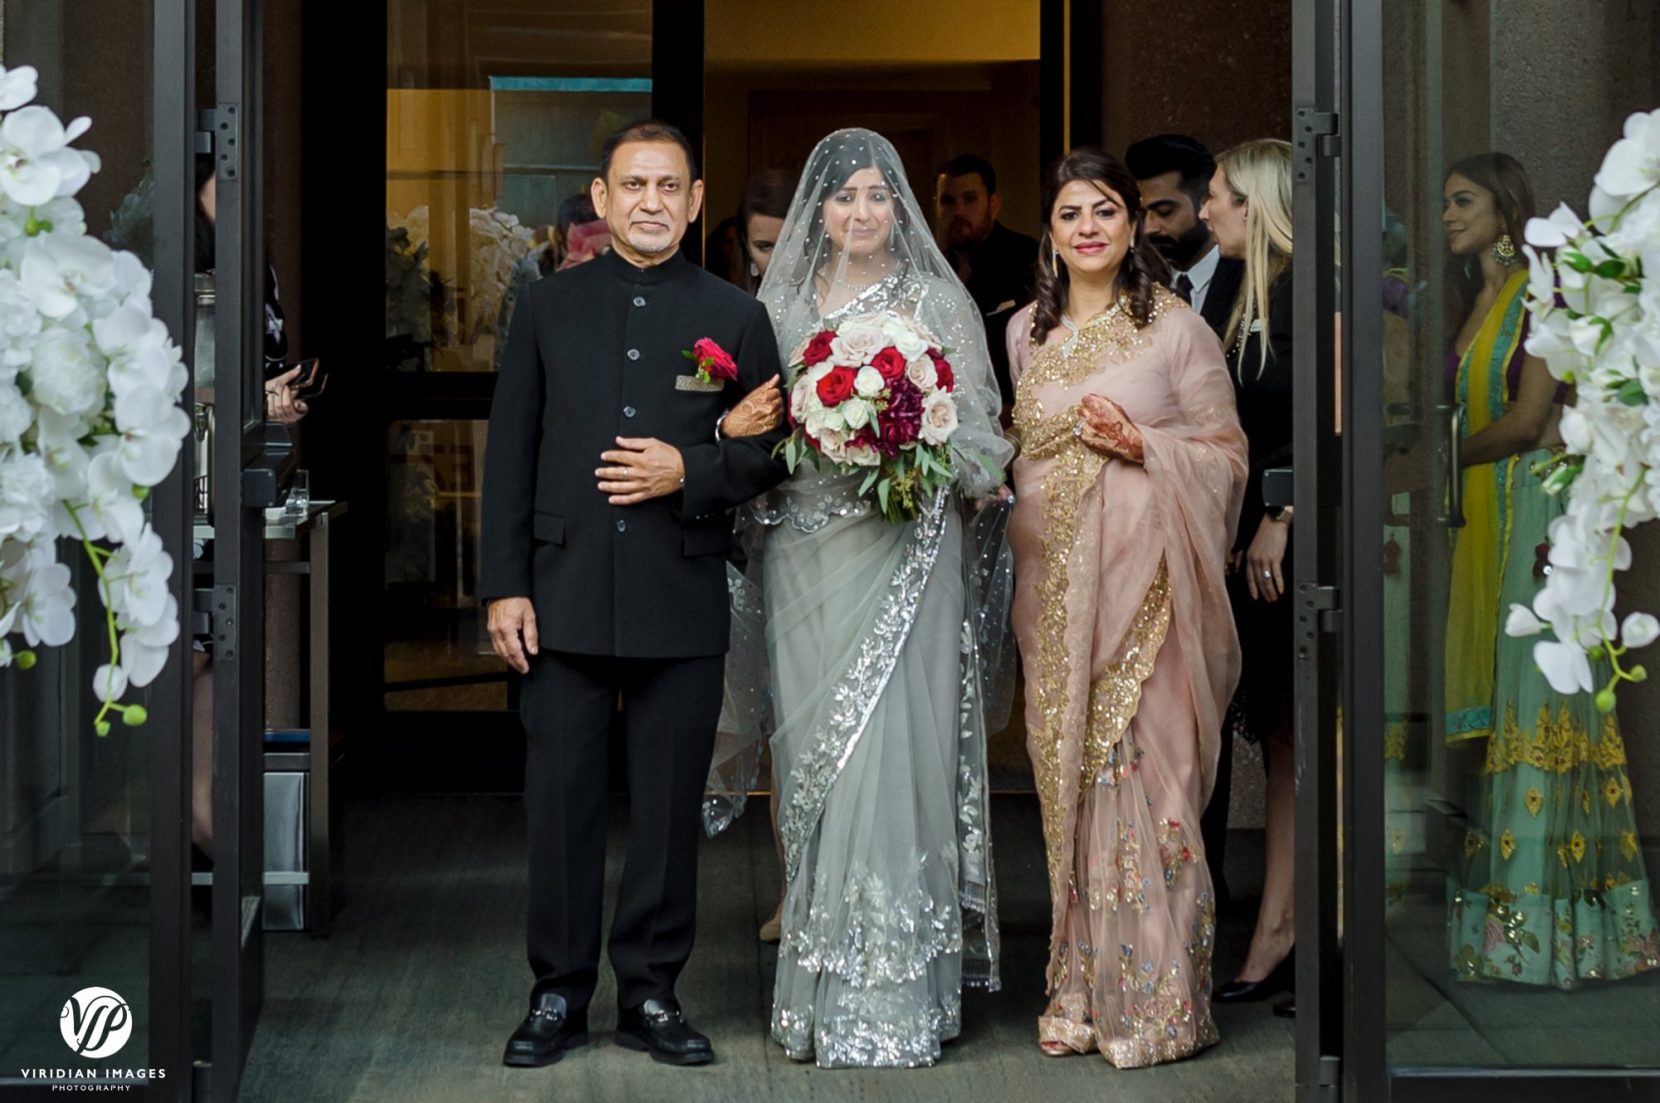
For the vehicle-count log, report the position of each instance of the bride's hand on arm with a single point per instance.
(1106, 428)
(759, 411)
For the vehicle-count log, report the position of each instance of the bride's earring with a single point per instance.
(1054, 257)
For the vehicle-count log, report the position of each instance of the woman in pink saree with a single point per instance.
(1127, 491)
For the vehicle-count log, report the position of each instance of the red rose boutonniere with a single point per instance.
(713, 362)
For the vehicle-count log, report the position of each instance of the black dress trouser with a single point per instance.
(670, 709)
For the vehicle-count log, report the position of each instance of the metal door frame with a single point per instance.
(173, 119)
(1319, 498)
(239, 545)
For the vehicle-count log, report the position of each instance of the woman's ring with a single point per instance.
(1267, 574)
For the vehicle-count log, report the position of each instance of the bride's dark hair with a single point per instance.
(1143, 269)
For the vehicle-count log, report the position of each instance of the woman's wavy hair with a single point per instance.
(1259, 173)
(1503, 176)
(1143, 269)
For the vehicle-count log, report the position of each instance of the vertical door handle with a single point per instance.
(1453, 518)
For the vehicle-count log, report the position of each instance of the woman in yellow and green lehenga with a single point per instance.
(1553, 889)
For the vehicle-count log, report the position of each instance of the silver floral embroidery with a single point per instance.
(871, 1029)
(810, 503)
(877, 934)
(980, 937)
(860, 688)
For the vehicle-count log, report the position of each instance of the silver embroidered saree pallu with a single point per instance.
(890, 907)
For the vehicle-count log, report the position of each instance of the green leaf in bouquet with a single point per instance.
(688, 354)
(1631, 393)
(870, 481)
(882, 488)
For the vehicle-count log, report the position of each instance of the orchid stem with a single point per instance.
(98, 557)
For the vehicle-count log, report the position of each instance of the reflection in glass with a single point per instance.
(1521, 928)
(1553, 890)
(437, 650)
(495, 118)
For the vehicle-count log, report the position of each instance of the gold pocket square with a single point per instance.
(693, 383)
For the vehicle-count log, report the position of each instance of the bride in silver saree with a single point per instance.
(884, 642)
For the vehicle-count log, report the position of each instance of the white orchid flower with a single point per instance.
(1564, 665)
(109, 682)
(144, 646)
(36, 164)
(1522, 622)
(47, 615)
(136, 578)
(17, 86)
(151, 427)
(1639, 630)
(1632, 164)
(1563, 226)
(58, 270)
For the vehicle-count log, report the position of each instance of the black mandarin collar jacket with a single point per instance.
(594, 353)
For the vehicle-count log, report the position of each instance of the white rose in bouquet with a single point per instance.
(904, 337)
(939, 418)
(920, 370)
(857, 343)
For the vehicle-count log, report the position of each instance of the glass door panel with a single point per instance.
(494, 119)
(1517, 825)
(495, 115)
(438, 653)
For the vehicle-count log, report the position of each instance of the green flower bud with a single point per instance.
(27, 659)
(102, 727)
(1605, 700)
(134, 716)
(1597, 653)
(1637, 674)
(141, 492)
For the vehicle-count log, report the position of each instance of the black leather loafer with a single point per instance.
(658, 1027)
(547, 1032)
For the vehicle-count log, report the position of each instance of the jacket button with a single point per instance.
(629, 411)
(633, 354)
(622, 525)
(639, 300)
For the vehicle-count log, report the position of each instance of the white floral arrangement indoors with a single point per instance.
(90, 385)
(1594, 298)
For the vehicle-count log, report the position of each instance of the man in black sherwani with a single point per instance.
(608, 494)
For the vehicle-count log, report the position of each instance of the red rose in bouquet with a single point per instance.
(891, 363)
(818, 349)
(713, 362)
(837, 387)
(942, 368)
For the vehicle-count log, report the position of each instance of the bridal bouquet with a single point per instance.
(873, 397)
(1594, 294)
(89, 412)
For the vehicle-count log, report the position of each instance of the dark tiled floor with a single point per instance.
(423, 979)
